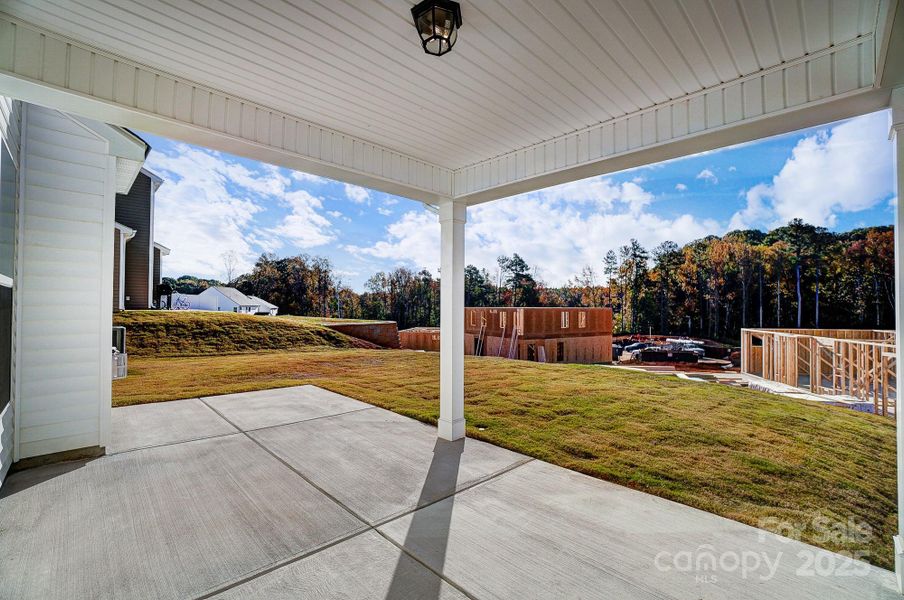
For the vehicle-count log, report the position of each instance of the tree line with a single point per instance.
(798, 275)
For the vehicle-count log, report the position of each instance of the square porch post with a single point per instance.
(452, 217)
(896, 134)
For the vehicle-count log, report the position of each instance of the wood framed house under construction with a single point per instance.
(855, 364)
(569, 335)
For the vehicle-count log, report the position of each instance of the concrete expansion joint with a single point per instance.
(365, 526)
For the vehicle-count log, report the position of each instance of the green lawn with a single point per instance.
(736, 453)
(197, 333)
(324, 319)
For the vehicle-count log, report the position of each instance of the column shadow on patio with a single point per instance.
(429, 529)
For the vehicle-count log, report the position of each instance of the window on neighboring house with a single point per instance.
(501, 319)
(564, 319)
(472, 318)
(582, 319)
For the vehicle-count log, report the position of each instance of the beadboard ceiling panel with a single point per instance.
(523, 71)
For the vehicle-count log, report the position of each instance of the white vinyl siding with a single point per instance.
(9, 125)
(65, 283)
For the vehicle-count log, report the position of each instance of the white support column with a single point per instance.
(896, 134)
(452, 217)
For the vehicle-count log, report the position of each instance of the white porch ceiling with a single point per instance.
(532, 87)
(523, 71)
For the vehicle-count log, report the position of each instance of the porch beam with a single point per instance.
(45, 68)
(452, 217)
(896, 133)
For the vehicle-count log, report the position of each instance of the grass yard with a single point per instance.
(736, 453)
(184, 333)
(324, 319)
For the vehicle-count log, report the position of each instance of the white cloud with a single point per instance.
(680, 187)
(346, 273)
(558, 230)
(757, 210)
(708, 175)
(842, 170)
(304, 226)
(207, 207)
(390, 201)
(195, 212)
(384, 211)
(732, 168)
(338, 215)
(356, 193)
(301, 176)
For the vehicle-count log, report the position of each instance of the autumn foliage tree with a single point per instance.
(795, 275)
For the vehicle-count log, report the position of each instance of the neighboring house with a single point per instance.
(184, 301)
(265, 308)
(222, 298)
(159, 252)
(547, 334)
(136, 255)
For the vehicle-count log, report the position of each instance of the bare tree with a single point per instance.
(230, 264)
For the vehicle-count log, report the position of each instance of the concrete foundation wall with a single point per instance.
(384, 333)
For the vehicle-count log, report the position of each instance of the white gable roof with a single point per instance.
(234, 295)
(263, 303)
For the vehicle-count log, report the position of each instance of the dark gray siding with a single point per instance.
(134, 210)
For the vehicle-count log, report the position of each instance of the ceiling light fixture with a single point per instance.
(437, 22)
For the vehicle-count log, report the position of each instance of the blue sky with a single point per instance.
(839, 176)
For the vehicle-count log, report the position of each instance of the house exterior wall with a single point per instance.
(10, 111)
(134, 210)
(585, 334)
(421, 338)
(186, 301)
(541, 322)
(212, 299)
(65, 282)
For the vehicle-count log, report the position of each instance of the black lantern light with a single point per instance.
(437, 22)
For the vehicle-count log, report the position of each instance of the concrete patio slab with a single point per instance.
(145, 425)
(283, 512)
(540, 531)
(380, 464)
(267, 408)
(364, 567)
(167, 522)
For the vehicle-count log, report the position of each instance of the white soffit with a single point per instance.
(128, 149)
(533, 91)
